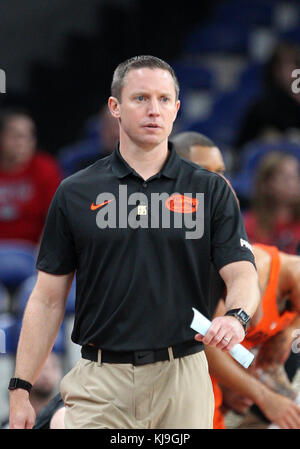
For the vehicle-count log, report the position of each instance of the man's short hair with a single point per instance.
(138, 62)
(183, 142)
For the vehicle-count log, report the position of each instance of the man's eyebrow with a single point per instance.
(137, 93)
(145, 92)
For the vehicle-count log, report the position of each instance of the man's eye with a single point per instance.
(140, 98)
(165, 99)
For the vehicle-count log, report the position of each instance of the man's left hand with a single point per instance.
(224, 333)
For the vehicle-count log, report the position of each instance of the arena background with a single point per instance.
(58, 57)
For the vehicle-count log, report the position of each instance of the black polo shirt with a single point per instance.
(140, 264)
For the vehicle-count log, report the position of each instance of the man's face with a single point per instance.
(148, 107)
(211, 159)
(17, 142)
(208, 157)
(284, 184)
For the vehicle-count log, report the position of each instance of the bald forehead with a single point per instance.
(147, 78)
(208, 157)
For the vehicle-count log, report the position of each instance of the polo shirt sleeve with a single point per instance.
(57, 253)
(228, 235)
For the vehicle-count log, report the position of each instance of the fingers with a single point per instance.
(22, 414)
(224, 333)
(290, 421)
(293, 418)
(225, 342)
(287, 415)
(21, 422)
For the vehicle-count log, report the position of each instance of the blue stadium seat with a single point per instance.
(253, 152)
(247, 13)
(21, 299)
(217, 38)
(71, 157)
(91, 128)
(4, 299)
(292, 35)
(26, 288)
(59, 344)
(23, 294)
(8, 333)
(17, 262)
(228, 110)
(252, 77)
(70, 305)
(193, 76)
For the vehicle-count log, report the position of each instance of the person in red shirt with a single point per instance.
(274, 218)
(28, 179)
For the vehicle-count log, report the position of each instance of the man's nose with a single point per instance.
(154, 107)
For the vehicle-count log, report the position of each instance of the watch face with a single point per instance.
(243, 315)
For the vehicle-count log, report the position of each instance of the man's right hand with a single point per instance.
(281, 410)
(21, 414)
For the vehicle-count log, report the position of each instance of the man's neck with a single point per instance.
(147, 162)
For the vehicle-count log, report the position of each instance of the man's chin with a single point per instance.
(150, 142)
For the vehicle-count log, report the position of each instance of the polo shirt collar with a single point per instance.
(121, 168)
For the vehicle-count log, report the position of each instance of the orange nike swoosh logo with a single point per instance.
(182, 204)
(97, 206)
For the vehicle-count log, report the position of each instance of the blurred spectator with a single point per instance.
(278, 109)
(199, 149)
(52, 415)
(275, 215)
(28, 179)
(46, 385)
(104, 131)
(42, 395)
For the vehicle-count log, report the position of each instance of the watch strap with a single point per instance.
(241, 316)
(15, 383)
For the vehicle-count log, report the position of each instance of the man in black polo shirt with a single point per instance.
(130, 225)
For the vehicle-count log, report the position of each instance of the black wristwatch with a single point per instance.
(15, 383)
(240, 315)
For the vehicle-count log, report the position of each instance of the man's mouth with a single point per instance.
(151, 125)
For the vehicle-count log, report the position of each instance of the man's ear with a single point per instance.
(114, 107)
(177, 109)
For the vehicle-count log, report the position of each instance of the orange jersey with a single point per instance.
(272, 322)
(218, 422)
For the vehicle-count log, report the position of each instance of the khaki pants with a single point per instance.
(176, 393)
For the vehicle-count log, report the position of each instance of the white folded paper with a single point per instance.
(201, 324)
